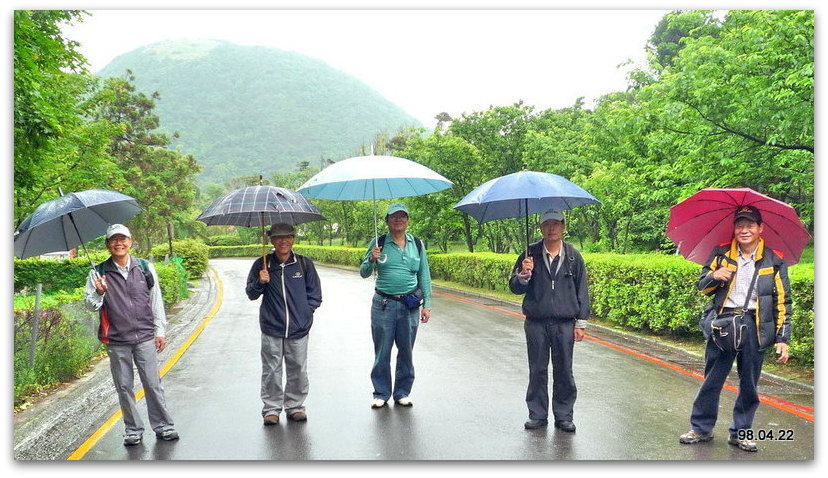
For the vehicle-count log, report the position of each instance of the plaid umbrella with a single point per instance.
(260, 205)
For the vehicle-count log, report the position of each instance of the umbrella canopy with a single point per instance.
(705, 220)
(523, 193)
(259, 206)
(371, 178)
(70, 220)
(520, 194)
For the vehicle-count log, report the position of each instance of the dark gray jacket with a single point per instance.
(569, 300)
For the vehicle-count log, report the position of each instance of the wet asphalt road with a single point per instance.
(468, 396)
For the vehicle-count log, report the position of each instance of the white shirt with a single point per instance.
(741, 284)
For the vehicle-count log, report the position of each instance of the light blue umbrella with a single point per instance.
(369, 178)
(520, 194)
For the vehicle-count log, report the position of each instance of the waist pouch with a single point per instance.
(411, 300)
(728, 332)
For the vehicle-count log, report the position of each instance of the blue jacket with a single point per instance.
(297, 280)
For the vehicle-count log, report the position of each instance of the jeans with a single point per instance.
(717, 367)
(392, 323)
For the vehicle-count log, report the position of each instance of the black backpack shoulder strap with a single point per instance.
(143, 264)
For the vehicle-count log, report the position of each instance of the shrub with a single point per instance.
(65, 275)
(195, 254)
(649, 292)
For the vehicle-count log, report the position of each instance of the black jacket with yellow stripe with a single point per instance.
(773, 310)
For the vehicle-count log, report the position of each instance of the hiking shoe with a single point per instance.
(132, 440)
(404, 402)
(167, 435)
(695, 437)
(298, 417)
(745, 445)
(378, 403)
(271, 419)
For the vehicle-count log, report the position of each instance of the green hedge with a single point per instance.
(648, 292)
(69, 276)
(195, 254)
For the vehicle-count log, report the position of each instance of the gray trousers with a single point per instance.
(145, 359)
(545, 338)
(294, 354)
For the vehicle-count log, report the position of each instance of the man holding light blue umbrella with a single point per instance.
(402, 268)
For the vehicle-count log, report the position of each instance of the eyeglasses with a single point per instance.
(119, 238)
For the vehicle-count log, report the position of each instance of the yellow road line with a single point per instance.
(116, 417)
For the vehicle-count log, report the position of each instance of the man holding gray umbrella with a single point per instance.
(291, 291)
(127, 294)
(554, 278)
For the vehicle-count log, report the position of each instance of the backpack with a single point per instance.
(143, 264)
(381, 243)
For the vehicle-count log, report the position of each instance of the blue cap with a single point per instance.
(396, 207)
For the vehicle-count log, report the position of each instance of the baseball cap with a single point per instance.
(748, 212)
(117, 229)
(551, 214)
(396, 207)
(281, 229)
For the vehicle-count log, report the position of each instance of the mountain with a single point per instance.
(250, 110)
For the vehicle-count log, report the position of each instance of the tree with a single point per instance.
(741, 104)
(55, 146)
(160, 179)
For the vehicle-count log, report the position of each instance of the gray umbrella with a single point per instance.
(260, 205)
(70, 220)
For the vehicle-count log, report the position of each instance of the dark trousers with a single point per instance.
(545, 338)
(717, 367)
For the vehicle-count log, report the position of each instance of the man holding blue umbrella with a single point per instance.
(553, 277)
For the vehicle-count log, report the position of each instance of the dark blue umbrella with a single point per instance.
(70, 220)
(520, 194)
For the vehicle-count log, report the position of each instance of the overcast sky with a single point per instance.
(426, 61)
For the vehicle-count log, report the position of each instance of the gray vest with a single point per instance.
(126, 316)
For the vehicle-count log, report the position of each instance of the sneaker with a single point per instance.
(378, 403)
(298, 417)
(132, 440)
(745, 445)
(404, 402)
(271, 419)
(167, 435)
(695, 437)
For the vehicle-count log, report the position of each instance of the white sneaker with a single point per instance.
(404, 402)
(377, 403)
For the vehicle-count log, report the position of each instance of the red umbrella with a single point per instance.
(705, 220)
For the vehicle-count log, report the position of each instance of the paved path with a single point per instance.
(468, 395)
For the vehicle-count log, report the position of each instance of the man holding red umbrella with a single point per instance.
(748, 281)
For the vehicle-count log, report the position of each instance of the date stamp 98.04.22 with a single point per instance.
(780, 434)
